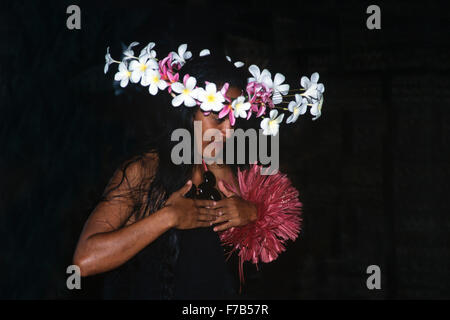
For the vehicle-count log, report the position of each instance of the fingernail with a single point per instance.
(215, 229)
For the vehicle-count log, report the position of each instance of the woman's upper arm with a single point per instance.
(117, 206)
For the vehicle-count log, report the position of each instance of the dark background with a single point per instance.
(371, 172)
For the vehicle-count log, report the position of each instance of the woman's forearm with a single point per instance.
(102, 252)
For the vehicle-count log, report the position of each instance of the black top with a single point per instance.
(201, 271)
(198, 271)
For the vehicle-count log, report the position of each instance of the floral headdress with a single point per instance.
(264, 95)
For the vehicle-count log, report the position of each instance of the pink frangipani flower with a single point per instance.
(228, 110)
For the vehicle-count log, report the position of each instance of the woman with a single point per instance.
(149, 238)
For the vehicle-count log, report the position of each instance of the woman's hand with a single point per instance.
(187, 213)
(233, 211)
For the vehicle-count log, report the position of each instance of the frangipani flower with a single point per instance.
(237, 64)
(148, 50)
(108, 60)
(227, 107)
(171, 79)
(297, 108)
(182, 55)
(166, 70)
(240, 107)
(258, 76)
(123, 75)
(204, 52)
(140, 67)
(228, 110)
(277, 86)
(129, 53)
(316, 109)
(314, 90)
(211, 98)
(187, 92)
(271, 125)
(154, 79)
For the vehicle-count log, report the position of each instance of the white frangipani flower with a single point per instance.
(129, 53)
(316, 109)
(240, 107)
(187, 93)
(297, 108)
(148, 51)
(258, 76)
(279, 89)
(237, 64)
(108, 60)
(154, 79)
(211, 98)
(181, 56)
(271, 125)
(313, 89)
(123, 75)
(140, 67)
(204, 52)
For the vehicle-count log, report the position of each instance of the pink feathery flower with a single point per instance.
(279, 217)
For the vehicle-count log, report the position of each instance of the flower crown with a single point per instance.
(264, 94)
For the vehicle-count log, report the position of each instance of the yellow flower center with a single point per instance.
(143, 67)
(238, 106)
(211, 98)
(155, 79)
(272, 124)
(320, 105)
(186, 91)
(128, 74)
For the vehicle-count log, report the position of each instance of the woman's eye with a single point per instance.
(220, 120)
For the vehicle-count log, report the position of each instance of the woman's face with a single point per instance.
(212, 121)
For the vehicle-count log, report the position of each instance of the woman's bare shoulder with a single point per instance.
(151, 156)
(150, 162)
(134, 171)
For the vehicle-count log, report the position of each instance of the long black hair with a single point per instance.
(157, 184)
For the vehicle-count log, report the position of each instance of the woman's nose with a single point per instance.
(226, 129)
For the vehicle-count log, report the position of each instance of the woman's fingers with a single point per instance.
(206, 217)
(223, 217)
(208, 211)
(205, 203)
(185, 189)
(224, 226)
(228, 193)
(202, 224)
